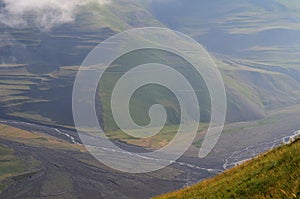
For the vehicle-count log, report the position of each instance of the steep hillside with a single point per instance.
(274, 174)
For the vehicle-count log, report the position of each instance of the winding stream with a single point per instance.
(234, 159)
(238, 157)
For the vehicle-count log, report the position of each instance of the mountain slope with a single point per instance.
(274, 174)
(38, 67)
(257, 41)
(257, 55)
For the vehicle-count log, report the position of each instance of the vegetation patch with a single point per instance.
(274, 174)
(10, 165)
(36, 139)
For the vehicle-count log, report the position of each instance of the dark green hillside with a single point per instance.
(149, 95)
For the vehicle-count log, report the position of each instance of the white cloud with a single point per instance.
(44, 13)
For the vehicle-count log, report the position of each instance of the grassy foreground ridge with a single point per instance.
(274, 174)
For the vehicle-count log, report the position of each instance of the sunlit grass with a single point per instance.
(274, 174)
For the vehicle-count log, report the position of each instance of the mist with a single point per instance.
(44, 14)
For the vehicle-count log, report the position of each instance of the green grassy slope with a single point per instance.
(274, 174)
(252, 92)
(148, 95)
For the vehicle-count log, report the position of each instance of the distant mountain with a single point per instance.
(256, 43)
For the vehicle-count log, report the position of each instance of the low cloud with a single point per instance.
(44, 14)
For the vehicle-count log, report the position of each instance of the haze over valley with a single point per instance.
(255, 45)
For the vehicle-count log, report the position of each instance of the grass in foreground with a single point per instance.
(274, 174)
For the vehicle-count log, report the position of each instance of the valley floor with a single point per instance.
(36, 165)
